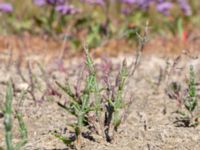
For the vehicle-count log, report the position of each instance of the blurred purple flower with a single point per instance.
(140, 3)
(129, 1)
(164, 7)
(50, 2)
(98, 2)
(6, 7)
(39, 2)
(144, 4)
(56, 2)
(185, 7)
(126, 11)
(67, 9)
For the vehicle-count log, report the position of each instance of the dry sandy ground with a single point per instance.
(149, 125)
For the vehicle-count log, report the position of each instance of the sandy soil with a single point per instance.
(48, 47)
(149, 125)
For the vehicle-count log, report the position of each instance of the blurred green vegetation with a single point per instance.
(96, 23)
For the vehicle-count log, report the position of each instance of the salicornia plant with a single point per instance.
(80, 105)
(114, 102)
(8, 114)
(189, 117)
(96, 109)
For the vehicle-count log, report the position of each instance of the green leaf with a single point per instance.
(65, 140)
(181, 113)
(69, 92)
(68, 109)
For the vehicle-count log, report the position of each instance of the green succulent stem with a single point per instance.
(8, 117)
(9, 124)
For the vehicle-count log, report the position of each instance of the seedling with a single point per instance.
(188, 116)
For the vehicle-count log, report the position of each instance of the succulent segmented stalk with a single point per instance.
(8, 122)
(8, 117)
(119, 94)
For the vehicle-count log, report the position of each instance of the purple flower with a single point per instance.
(144, 4)
(126, 11)
(185, 7)
(66, 9)
(6, 7)
(39, 2)
(98, 2)
(129, 1)
(164, 8)
(50, 2)
(56, 2)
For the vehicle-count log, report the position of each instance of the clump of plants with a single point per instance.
(187, 102)
(97, 109)
(8, 123)
(97, 101)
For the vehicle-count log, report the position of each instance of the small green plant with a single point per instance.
(98, 103)
(8, 112)
(80, 105)
(115, 103)
(96, 109)
(188, 117)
